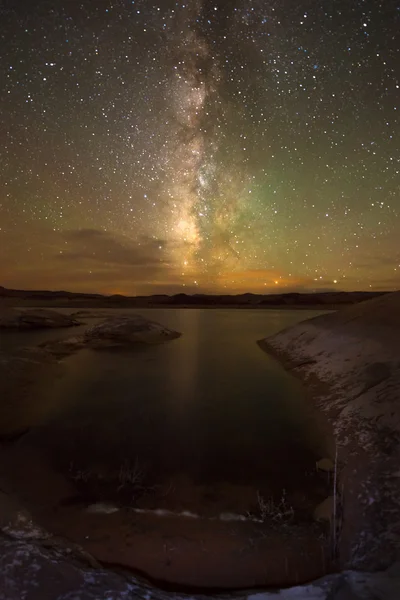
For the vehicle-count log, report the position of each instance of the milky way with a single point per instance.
(202, 146)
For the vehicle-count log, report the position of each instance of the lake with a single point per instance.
(210, 403)
(208, 423)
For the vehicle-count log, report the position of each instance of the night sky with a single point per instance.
(163, 147)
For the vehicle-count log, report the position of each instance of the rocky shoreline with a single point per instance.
(31, 564)
(349, 363)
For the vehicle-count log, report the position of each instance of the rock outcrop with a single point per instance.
(350, 362)
(129, 330)
(38, 318)
(121, 333)
(96, 313)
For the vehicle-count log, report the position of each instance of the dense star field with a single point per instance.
(160, 147)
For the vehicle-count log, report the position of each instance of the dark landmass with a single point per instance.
(326, 300)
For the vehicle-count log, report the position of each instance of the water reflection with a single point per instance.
(185, 358)
(208, 404)
(210, 420)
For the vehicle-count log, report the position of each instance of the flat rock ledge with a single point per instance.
(121, 333)
(350, 364)
(98, 313)
(38, 318)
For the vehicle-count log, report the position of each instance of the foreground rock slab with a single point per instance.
(39, 318)
(350, 361)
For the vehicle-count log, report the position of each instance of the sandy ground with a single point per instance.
(205, 550)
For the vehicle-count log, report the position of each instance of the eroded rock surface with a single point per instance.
(98, 313)
(350, 361)
(115, 333)
(38, 318)
(128, 330)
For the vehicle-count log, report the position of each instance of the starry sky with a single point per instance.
(219, 147)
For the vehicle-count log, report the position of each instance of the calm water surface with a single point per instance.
(210, 404)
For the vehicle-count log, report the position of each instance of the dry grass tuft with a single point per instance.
(280, 512)
(130, 474)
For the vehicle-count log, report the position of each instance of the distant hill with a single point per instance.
(79, 300)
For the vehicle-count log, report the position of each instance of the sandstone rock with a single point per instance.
(128, 330)
(38, 318)
(115, 333)
(349, 360)
(98, 313)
